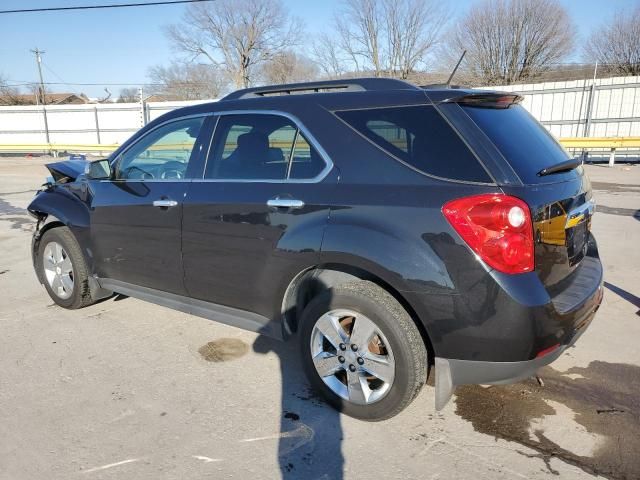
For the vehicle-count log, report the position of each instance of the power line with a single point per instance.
(150, 84)
(55, 74)
(93, 7)
(26, 83)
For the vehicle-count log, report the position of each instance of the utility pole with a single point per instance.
(37, 53)
(143, 113)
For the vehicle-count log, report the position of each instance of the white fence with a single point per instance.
(78, 124)
(610, 107)
(607, 108)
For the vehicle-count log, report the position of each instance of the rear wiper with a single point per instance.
(560, 167)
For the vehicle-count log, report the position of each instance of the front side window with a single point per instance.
(420, 137)
(162, 154)
(260, 147)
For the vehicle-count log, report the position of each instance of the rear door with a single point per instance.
(256, 218)
(136, 217)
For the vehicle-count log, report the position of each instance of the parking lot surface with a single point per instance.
(126, 389)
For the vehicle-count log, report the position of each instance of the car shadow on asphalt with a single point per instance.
(310, 442)
(628, 296)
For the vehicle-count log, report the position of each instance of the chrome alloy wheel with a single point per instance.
(58, 270)
(352, 356)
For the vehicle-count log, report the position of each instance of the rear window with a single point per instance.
(526, 144)
(420, 137)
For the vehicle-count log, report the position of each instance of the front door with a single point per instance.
(257, 217)
(136, 217)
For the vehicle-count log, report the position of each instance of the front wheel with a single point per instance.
(63, 269)
(362, 351)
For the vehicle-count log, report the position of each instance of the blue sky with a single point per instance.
(119, 45)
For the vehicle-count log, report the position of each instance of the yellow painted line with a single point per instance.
(81, 147)
(35, 147)
(601, 142)
(591, 142)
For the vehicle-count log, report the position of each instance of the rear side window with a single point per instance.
(420, 137)
(261, 147)
(526, 144)
(306, 162)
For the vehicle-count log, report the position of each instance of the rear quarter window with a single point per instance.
(420, 137)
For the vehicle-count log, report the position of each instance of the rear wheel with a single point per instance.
(362, 351)
(63, 269)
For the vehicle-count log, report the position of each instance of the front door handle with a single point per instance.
(164, 203)
(285, 203)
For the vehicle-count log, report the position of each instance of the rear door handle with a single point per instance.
(285, 203)
(164, 203)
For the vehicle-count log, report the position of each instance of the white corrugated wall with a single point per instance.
(561, 106)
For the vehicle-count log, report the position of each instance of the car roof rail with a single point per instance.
(327, 86)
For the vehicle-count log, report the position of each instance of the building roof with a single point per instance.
(52, 99)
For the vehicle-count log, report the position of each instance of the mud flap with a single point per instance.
(444, 383)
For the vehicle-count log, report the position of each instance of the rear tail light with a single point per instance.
(497, 227)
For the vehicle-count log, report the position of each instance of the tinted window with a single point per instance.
(162, 154)
(260, 147)
(391, 133)
(526, 144)
(306, 162)
(420, 137)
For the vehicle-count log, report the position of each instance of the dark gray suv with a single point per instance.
(389, 228)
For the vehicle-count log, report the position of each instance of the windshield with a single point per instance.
(524, 142)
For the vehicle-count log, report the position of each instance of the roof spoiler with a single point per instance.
(346, 85)
(487, 99)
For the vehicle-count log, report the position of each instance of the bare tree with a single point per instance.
(9, 95)
(288, 67)
(328, 56)
(129, 95)
(508, 41)
(385, 37)
(359, 31)
(187, 81)
(412, 29)
(237, 35)
(39, 93)
(616, 44)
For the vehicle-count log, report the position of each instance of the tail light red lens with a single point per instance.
(497, 227)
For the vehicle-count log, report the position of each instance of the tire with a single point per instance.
(70, 290)
(397, 347)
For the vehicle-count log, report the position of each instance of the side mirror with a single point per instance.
(98, 170)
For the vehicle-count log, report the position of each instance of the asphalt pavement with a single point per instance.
(129, 390)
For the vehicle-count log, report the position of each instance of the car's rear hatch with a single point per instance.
(556, 189)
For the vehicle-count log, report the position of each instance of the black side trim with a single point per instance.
(219, 313)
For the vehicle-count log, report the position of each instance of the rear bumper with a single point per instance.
(453, 372)
(497, 317)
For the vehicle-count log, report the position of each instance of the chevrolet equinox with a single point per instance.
(389, 229)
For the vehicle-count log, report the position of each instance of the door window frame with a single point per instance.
(328, 164)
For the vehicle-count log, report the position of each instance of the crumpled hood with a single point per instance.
(67, 170)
